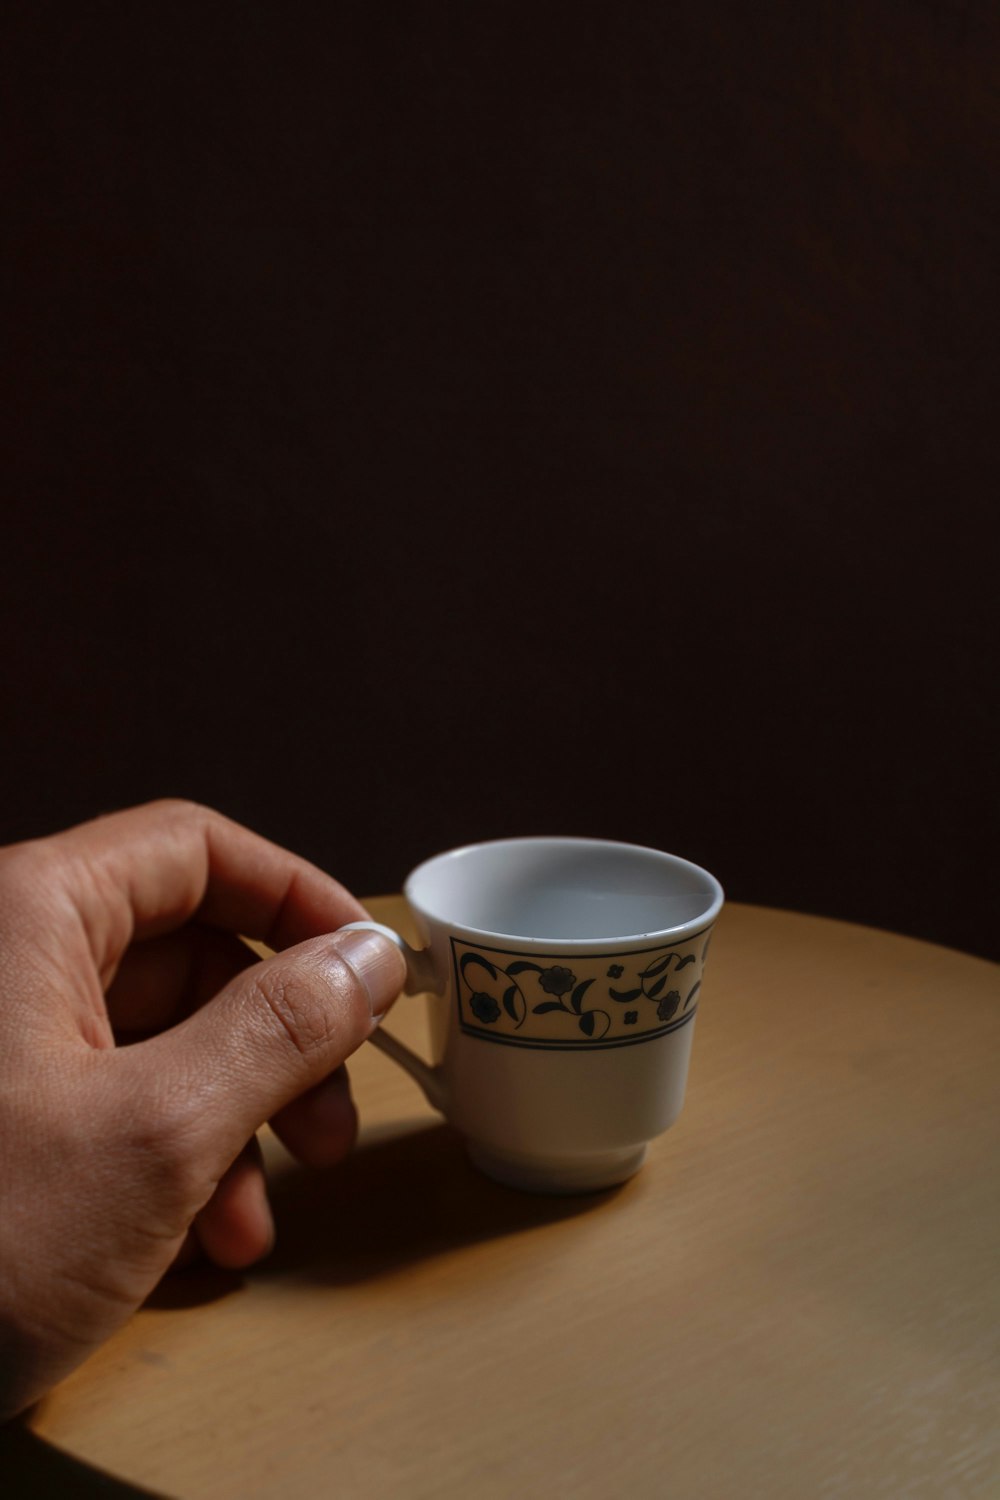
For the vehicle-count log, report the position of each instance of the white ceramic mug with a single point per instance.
(566, 975)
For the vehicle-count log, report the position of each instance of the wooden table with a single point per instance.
(797, 1296)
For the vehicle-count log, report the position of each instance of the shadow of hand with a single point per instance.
(396, 1202)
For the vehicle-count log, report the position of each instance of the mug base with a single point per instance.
(562, 1175)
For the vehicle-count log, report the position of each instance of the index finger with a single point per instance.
(148, 870)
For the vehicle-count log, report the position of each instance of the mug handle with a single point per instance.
(421, 978)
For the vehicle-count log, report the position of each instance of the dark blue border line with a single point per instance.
(624, 1041)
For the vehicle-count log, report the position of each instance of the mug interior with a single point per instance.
(564, 890)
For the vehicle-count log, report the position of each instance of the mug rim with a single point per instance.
(691, 927)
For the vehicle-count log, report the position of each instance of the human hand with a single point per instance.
(141, 1046)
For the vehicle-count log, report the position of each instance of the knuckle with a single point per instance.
(164, 1140)
(296, 1008)
(185, 813)
(181, 810)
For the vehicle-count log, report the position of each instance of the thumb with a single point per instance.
(276, 1030)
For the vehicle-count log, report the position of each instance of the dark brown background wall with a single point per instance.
(429, 422)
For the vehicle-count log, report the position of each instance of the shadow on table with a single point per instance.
(395, 1202)
(195, 1286)
(31, 1469)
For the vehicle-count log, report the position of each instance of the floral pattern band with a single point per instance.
(577, 1001)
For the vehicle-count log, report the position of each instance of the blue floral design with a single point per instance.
(668, 1005)
(521, 988)
(557, 980)
(485, 1008)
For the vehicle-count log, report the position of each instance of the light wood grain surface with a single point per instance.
(797, 1296)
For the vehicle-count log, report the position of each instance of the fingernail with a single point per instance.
(377, 962)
